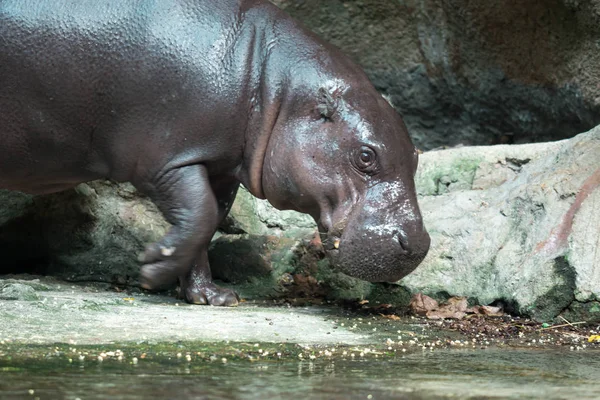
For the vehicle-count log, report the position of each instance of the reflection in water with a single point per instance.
(442, 374)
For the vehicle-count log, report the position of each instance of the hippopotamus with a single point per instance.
(188, 99)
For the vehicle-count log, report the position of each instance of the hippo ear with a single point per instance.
(327, 104)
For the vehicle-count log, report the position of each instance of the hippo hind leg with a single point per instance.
(197, 286)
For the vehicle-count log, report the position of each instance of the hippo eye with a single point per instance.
(365, 159)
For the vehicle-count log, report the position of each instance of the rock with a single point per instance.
(269, 266)
(240, 259)
(14, 205)
(473, 73)
(264, 251)
(513, 224)
(28, 280)
(91, 233)
(18, 291)
(257, 217)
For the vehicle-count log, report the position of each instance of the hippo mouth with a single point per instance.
(331, 246)
(374, 260)
(331, 243)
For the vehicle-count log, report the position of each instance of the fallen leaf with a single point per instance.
(458, 304)
(455, 307)
(128, 298)
(420, 304)
(390, 316)
(594, 338)
(488, 310)
(444, 313)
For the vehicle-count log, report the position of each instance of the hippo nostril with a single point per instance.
(403, 240)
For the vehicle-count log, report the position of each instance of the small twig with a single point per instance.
(564, 319)
(563, 325)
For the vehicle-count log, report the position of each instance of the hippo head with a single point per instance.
(341, 153)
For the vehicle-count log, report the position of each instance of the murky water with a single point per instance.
(442, 374)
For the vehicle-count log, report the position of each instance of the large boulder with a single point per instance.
(514, 224)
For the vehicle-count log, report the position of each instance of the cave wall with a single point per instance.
(473, 72)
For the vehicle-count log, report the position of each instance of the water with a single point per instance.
(495, 373)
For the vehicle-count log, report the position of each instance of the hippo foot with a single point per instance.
(210, 294)
(161, 265)
(156, 275)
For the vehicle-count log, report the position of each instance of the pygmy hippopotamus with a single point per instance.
(186, 99)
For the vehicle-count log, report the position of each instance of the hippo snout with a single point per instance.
(381, 258)
(379, 242)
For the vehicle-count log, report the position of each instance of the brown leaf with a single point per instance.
(489, 311)
(455, 307)
(390, 316)
(420, 304)
(457, 304)
(445, 313)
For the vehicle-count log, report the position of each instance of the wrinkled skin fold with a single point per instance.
(189, 99)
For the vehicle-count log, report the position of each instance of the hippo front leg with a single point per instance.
(187, 201)
(197, 286)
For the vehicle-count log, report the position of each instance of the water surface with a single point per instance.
(496, 373)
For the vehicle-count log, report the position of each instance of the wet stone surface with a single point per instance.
(85, 314)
